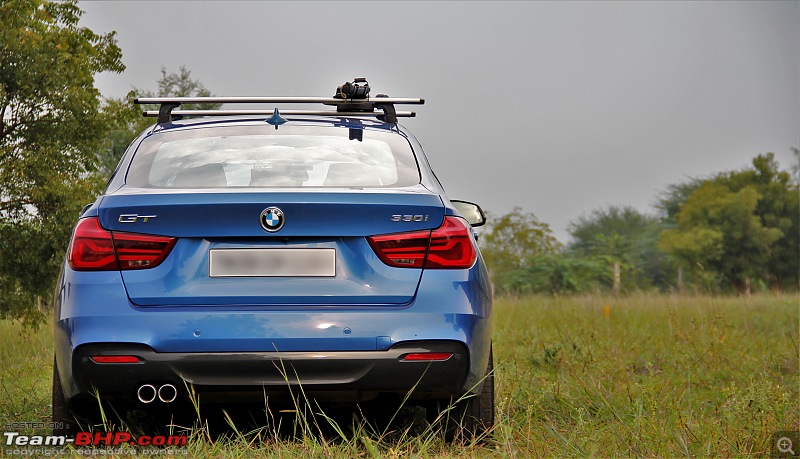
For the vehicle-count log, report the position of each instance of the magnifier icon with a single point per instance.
(785, 445)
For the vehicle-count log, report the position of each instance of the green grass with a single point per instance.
(602, 376)
(646, 376)
(26, 362)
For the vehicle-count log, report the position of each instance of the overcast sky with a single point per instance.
(556, 107)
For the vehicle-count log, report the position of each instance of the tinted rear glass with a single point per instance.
(256, 156)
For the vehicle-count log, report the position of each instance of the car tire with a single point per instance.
(63, 421)
(65, 416)
(468, 418)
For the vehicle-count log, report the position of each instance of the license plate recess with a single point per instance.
(272, 262)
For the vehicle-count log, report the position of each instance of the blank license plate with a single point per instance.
(272, 263)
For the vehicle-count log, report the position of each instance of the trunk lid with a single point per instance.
(229, 223)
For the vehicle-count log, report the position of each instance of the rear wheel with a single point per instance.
(63, 422)
(66, 415)
(470, 417)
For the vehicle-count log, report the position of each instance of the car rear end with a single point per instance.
(244, 260)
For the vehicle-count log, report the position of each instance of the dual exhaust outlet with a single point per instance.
(148, 393)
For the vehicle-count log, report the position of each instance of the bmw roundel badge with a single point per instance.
(272, 219)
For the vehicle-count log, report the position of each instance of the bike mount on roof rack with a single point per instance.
(351, 100)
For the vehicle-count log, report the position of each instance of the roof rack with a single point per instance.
(351, 100)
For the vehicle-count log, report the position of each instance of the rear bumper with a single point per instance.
(332, 376)
(203, 344)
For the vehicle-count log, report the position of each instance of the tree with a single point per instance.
(513, 241)
(624, 238)
(50, 127)
(126, 120)
(180, 84)
(669, 204)
(740, 225)
(719, 229)
(777, 208)
(669, 201)
(559, 274)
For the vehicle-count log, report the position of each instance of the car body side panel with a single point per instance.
(93, 295)
(473, 287)
(427, 178)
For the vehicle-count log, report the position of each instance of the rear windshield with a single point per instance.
(256, 156)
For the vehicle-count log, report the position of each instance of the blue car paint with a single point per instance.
(230, 213)
(94, 307)
(359, 279)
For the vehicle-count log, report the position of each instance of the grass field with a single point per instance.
(633, 376)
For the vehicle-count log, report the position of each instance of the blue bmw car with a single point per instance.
(244, 253)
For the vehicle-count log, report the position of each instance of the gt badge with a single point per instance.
(133, 218)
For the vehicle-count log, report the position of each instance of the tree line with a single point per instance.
(737, 231)
(60, 140)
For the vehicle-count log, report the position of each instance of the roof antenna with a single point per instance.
(276, 119)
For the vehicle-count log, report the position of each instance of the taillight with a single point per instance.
(94, 248)
(139, 251)
(402, 250)
(451, 246)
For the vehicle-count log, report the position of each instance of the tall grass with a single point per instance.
(646, 376)
(576, 376)
(26, 362)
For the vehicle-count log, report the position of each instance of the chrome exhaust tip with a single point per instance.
(167, 393)
(147, 393)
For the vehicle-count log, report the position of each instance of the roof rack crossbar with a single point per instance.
(277, 100)
(380, 107)
(332, 113)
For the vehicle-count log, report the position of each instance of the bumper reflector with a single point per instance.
(427, 357)
(115, 359)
